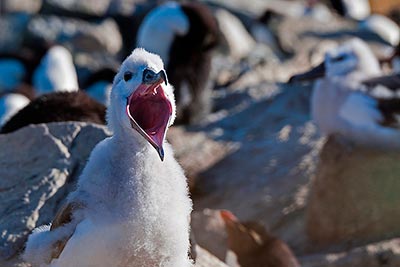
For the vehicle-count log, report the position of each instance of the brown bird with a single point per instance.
(254, 246)
(56, 107)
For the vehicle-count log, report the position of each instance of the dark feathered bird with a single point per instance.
(57, 107)
(184, 35)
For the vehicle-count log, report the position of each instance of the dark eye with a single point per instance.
(340, 58)
(127, 76)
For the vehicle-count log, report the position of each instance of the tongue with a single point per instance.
(149, 108)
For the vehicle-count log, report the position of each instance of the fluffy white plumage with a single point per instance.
(135, 208)
(340, 104)
(361, 123)
(357, 9)
(56, 72)
(12, 72)
(361, 110)
(159, 28)
(10, 104)
(353, 60)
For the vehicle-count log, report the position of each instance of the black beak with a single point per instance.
(315, 73)
(150, 77)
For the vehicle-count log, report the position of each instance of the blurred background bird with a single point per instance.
(184, 35)
(353, 99)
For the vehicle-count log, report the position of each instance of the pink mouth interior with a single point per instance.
(151, 110)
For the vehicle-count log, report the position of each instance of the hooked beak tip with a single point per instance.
(164, 77)
(150, 77)
(160, 152)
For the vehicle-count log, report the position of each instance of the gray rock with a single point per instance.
(15, 262)
(354, 197)
(266, 178)
(301, 34)
(29, 7)
(195, 151)
(210, 232)
(385, 253)
(12, 28)
(38, 167)
(206, 259)
(77, 34)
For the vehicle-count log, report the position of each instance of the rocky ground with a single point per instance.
(257, 155)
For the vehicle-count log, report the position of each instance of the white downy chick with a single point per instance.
(130, 208)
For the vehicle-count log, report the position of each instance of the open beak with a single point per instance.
(150, 110)
(315, 73)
